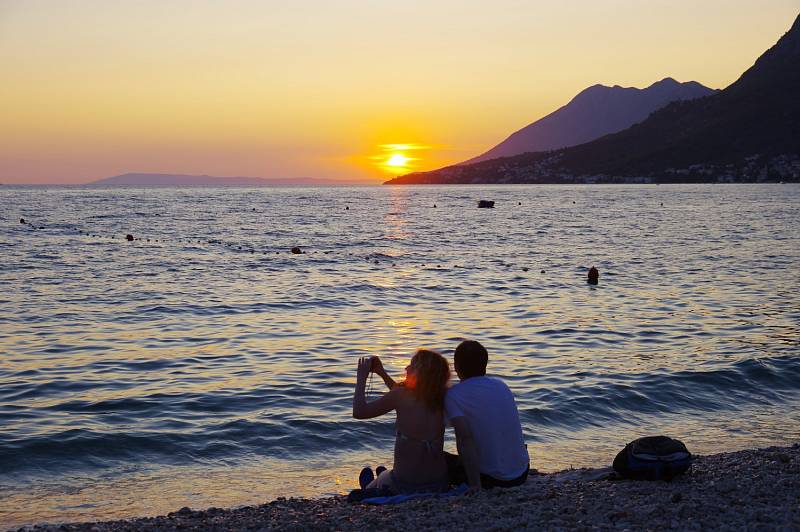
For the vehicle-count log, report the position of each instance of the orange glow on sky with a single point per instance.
(323, 89)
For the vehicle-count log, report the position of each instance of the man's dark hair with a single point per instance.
(470, 359)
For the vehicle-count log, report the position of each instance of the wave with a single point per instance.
(628, 397)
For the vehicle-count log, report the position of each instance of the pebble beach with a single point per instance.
(745, 490)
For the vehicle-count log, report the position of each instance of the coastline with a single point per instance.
(753, 489)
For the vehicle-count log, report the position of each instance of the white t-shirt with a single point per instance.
(489, 407)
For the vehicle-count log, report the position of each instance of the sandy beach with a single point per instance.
(745, 490)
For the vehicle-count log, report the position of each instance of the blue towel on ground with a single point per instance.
(397, 499)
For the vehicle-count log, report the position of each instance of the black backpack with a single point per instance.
(653, 458)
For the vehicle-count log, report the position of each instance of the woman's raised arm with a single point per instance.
(377, 368)
(361, 408)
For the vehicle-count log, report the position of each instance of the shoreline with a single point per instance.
(754, 489)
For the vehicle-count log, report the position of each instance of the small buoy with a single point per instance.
(434, 205)
(594, 276)
(541, 271)
(254, 209)
(296, 250)
(129, 238)
(573, 202)
(662, 203)
(525, 269)
(22, 220)
(347, 208)
(519, 203)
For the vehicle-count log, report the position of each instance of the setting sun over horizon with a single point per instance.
(345, 90)
(399, 158)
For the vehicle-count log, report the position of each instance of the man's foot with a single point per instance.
(365, 477)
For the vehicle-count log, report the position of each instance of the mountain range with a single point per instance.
(142, 179)
(747, 132)
(593, 113)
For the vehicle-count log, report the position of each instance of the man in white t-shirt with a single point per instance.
(491, 449)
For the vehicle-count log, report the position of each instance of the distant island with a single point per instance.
(143, 179)
(748, 132)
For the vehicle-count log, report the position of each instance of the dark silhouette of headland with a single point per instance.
(747, 132)
(594, 112)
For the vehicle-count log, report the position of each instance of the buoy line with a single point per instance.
(294, 250)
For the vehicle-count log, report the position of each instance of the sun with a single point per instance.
(397, 160)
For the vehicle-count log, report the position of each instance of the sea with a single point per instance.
(204, 364)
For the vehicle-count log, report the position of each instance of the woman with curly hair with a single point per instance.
(419, 462)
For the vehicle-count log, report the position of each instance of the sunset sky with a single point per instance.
(331, 89)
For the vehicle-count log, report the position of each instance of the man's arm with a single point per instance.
(465, 443)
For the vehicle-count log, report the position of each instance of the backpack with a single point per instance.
(653, 458)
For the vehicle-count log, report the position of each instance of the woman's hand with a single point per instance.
(364, 367)
(377, 366)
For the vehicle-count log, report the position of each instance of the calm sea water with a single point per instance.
(209, 366)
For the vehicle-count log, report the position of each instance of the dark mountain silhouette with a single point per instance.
(136, 179)
(750, 131)
(594, 112)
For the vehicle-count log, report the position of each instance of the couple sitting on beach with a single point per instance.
(481, 409)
